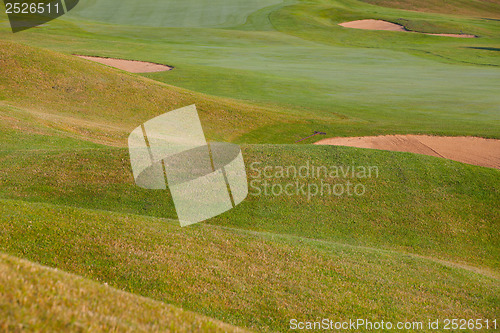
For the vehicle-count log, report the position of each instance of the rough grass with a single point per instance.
(340, 98)
(35, 298)
(422, 243)
(254, 280)
(21, 130)
(418, 204)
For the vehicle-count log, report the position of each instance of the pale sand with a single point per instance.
(471, 150)
(373, 25)
(388, 26)
(132, 66)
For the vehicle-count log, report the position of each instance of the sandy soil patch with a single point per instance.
(471, 150)
(384, 25)
(132, 66)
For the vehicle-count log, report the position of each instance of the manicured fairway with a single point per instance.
(172, 13)
(340, 81)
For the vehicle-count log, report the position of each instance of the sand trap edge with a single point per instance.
(465, 149)
(131, 66)
(380, 25)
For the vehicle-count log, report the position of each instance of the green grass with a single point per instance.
(103, 105)
(254, 280)
(295, 57)
(418, 204)
(480, 8)
(172, 13)
(21, 130)
(422, 242)
(319, 23)
(36, 298)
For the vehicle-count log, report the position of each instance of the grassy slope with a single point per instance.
(480, 8)
(21, 130)
(407, 207)
(254, 280)
(360, 84)
(419, 204)
(35, 298)
(84, 98)
(440, 209)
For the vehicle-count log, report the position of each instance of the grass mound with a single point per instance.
(417, 204)
(103, 105)
(36, 298)
(254, 280)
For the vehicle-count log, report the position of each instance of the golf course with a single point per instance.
(396, 104)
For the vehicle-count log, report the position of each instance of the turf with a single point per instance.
(254, 280)
(421, 243)
(415, 205)
(358, 82)
(418, 204)
(36, 298)
(102, 105)
(173, 13)
(480, 8)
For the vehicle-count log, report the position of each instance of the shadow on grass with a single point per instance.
(484, 48)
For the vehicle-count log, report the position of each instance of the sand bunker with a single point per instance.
(384, 25)
(471, 150)
(373, 25)
(132, 66)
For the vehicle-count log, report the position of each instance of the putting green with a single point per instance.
(171, 13)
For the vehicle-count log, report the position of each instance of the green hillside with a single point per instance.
(36, 298)
(421, 243)
(104, 105)
(295, 57)
(253, 280)
(423, 234)
(418, 204)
